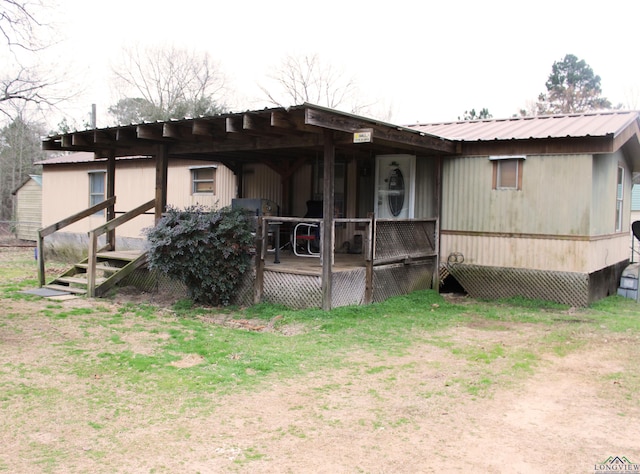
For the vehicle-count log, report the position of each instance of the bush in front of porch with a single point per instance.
(207, 250)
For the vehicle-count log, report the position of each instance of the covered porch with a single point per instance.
(290, 157)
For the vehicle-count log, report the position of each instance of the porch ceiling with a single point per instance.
(277, 136)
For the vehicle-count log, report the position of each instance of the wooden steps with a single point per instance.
(110, 268)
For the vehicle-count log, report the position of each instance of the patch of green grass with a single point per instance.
(249, 455)
(481, 354)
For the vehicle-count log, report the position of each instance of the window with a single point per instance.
(97, 188)
(203, 180)
(619, 198)
(507, 172)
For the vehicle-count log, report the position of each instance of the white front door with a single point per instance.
(395, 186)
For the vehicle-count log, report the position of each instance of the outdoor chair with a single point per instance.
(306, 235)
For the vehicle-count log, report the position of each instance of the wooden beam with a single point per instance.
(386, 133)
(149, 132)
(327, 219)
(78, 139)
(588, 145)
(162, 165)
(51, 145)
(256, 123)
(125, 134)
(172, 130)
(111, 192)
(102, 138)
(282, 120)
(233, 124)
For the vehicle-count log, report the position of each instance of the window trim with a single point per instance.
(497, 160)
(619, 197)
(194, 181)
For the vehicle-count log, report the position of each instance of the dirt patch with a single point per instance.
(436, 407)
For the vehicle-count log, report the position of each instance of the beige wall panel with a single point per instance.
(179, 184)
(558, 255)
(605, 178)
(555, 196)
(28, 210)
(607, 251)
(261, 182)
(66, 191)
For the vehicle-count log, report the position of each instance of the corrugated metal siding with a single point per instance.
(544, 126)
(426, 192)
(29, 210)
(582, 256)
(66, 191)
(262, 182)
(302, 190)
(605, 177)
(179, 183)
(554, 199)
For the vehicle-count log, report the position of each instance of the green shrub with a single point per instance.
(208, 250)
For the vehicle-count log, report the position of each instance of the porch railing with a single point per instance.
(93, 237)
(42, 233)
(103, 229)
(396, 254)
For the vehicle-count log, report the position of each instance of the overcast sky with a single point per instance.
(428, 61)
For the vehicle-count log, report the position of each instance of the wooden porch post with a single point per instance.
(162, 164)
(327, 219)
(111, 191)
(435, 283)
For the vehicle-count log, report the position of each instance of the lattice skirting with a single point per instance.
(497, 282)
(158, 283)
(305, 291)
(401, 279)
(348, 288)
(291, 290)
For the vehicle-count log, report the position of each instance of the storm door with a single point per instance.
(395, 186)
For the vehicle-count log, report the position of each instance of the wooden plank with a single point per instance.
(162, 164)
(111, 192)
(91, 261)
(258, 287)
(149, 132)
(124, 255)
(112, 224)
(102, 268)
(76, 280)
(326, 251)
(68, 289)
(399, 136)
(124, 272)
(40, 250)
(76, 217)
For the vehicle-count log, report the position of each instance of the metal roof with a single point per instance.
(597, 124)
(82, 157)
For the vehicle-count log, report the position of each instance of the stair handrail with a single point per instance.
(102, 229)
(50, 229)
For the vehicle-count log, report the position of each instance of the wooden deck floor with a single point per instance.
(290, 263)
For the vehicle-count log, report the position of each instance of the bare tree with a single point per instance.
(25, 35)
(159, 83)
(19, 24)
(305, 78)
